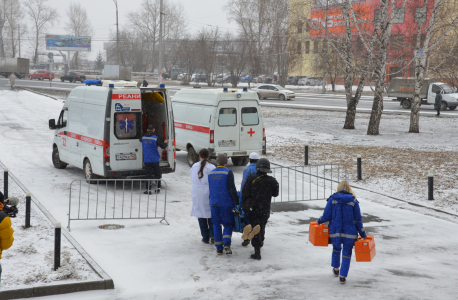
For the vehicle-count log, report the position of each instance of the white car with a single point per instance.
(266, 91)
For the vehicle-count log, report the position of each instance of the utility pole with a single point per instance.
(117, 32)
(19, 38)
(325, 65)
(161, 9)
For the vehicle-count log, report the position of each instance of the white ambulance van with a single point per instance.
(222, 120)
(99, 128)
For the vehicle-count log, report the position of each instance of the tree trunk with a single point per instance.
(377, 108)
(415, 110)
(351, 114)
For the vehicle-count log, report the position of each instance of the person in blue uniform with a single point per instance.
(345, 222)
(151, 158)
(250, 170)
(223, 199)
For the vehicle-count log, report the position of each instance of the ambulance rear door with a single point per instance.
(227, 127)
(126, 130)
(251, 126)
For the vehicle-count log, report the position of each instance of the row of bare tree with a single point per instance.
(364, 47)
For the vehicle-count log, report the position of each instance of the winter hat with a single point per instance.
(254, 155)
(221, 159)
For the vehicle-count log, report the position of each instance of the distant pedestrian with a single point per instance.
(145, 83)
(12, 79)
(257, 196)
(200, 195)
(345, 222)
(437, 103)
(151, 158)
(223, 199)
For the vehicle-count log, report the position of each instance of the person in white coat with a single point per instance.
(201, 196)
(12, 79)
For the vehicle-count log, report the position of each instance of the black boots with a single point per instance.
(257, 253)
(246, 242)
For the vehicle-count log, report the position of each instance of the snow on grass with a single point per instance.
(395, 162)
(30, 261)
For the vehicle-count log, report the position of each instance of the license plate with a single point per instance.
(239, 153)
(130, 156)
(226, 143)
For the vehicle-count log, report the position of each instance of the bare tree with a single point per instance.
(206, 46)
(41, 17)
(11, 15)
(189, 60)
(442, 22)
(236, 52)
(78, 24)
(145, 20)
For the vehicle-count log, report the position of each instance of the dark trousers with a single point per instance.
(153, 171)
(206, 228)
(259, 217)
(438, 111)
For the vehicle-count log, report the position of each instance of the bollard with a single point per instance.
(358, 165)
(5, 183)
(57, 246)
(306, 155)
(28, 199)
(430, 186)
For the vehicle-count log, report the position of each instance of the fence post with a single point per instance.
(5, 183)
(306, 155)
(57, 246)
(430, 186)
(358, 165)
(28, 199)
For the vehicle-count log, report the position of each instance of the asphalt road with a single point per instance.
(328, 102)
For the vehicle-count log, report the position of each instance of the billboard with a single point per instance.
(68, 43)
(336, 22)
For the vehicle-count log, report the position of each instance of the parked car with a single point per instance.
(260, 78)
(309, 81)
(201, 78)
(39, 66)
(247, 78)
(41, 74)
(274, 91)
(73, 77)
(289, 80)
(294, 80)
(269, 79)
(225, 79)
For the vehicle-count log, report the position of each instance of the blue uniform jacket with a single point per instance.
(344, 217)
(222, 188)
(250, 170)
(150, 143)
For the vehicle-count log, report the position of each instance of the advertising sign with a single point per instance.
(336, 22)
(68, 43)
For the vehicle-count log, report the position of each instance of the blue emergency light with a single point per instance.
(93, 82)
(245, 89)
(224, 89)
(162, 85)
(111, 85)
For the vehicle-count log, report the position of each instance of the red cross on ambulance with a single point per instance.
(251, 132)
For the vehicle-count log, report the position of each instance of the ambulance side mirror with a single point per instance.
(52, 124)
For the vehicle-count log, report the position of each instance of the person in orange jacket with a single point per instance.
(6, 232)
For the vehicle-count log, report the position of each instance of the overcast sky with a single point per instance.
(102, 13)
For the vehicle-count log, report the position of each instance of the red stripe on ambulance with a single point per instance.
(125, 96)
(83, 138)
(192, 127)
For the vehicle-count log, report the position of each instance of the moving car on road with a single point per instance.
(73, 77)
(41, 74)
(266, 91)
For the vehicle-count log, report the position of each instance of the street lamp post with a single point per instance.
(117, 32)
(161, 8)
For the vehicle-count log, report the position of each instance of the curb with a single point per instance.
(56, 289)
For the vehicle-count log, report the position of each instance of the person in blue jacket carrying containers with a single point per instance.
(223, 199)
(151, 157)
(250, 170)
(345, 222)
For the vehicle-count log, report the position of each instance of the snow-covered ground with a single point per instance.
(150, 260)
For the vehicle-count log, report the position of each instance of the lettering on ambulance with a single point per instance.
(81, 138)
(64, 142)
(125, 96)
(196, 128)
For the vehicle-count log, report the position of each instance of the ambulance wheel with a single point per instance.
(58, 164)
(237, 161)
(259, 96)
(443, 105)
(88, 174)
(245, 161)
(192, 156)
(452, 107)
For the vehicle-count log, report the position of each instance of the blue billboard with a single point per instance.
(68, 43)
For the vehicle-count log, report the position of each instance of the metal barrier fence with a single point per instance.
(308, 182)
(111, 199)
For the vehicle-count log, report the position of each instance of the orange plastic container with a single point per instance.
(365, 249)
(318, 234)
